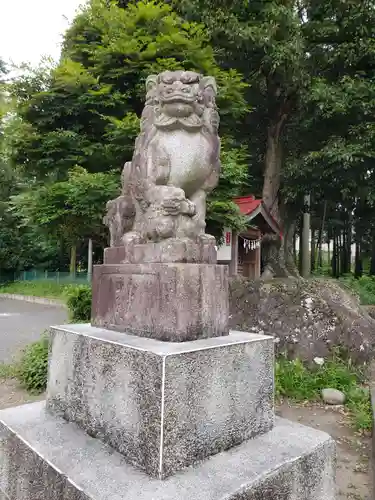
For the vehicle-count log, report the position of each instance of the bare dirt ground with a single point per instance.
(354, 471)
(353, 450)
(11, 394)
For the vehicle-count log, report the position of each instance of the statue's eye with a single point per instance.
(185, 89)
(169, 90)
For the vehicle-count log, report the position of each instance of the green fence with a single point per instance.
(56, 276)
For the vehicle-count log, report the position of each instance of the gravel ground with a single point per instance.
(23, 322)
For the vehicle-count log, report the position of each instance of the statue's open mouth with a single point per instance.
(178, 97)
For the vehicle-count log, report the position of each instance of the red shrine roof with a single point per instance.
(247, 204)
(251, 207)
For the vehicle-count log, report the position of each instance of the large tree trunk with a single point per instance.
(290, 224)
(273, 248)
(272, 170)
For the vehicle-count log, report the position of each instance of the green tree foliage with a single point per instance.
(234, 181)
(309, 65)
(264, 41)
(70, 210)
(85, 111)
(331, 148)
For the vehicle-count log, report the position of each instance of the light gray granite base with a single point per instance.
(45, 457)
(163, 405)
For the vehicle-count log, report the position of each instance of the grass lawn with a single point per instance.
(48, 289)
(300, 382)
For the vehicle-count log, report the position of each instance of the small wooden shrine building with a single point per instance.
(243, 252)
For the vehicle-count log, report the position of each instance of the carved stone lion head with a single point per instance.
(180, 98)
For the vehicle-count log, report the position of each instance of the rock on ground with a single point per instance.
(333, 397)
(308, 318)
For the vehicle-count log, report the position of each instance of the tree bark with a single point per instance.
(358, 270)
(343, 249)
(273, 247)
(372, 264)
(312, 250)
(320, 236)
(338, 254)
(329, 250)
(73, 260)
(335, 270)
(300, 245)
(272, 170)
(290, 224)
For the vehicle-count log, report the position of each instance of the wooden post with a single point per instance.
(233, 264)
(306, 261)
(257, 263)
(89, 261)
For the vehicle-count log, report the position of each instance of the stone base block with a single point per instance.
(44, 457)
(171, 302)
(162, 405)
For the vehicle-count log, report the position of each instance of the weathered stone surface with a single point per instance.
(162, 405)
(165, 251)
(307, 317)
(175, 163)
(333, 397)
(44, 457)
(171, 302)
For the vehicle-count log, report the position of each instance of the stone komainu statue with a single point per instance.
(174, 166)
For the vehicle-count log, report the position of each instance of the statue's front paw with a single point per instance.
(188, 208)
(131, 238)
(206, 239)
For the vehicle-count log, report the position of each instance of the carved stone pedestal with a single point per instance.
(43, 457)
(163, 405)
(124, 412)
(170, 302)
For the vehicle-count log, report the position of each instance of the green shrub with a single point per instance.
(79, 302)
(301, 382)
(33, 366)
